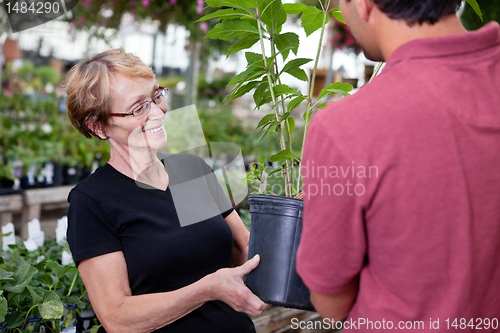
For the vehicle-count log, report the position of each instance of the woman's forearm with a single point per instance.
(241, 237)
(106, 279)
(146, 313)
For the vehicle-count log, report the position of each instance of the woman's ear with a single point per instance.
(96, 128)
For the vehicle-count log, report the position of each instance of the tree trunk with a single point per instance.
(193, 73)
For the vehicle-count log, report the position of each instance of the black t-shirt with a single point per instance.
(109, 212)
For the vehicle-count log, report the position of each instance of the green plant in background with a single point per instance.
(34, 131)
(34, 283)
(261, 21)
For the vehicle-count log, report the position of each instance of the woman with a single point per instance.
(143, 271)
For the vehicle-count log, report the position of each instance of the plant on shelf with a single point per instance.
(35, 289)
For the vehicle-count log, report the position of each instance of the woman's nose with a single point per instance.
(158, 110)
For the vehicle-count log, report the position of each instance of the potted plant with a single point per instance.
(35, 290)
(276, 221)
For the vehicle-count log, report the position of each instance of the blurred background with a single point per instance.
(40, 149)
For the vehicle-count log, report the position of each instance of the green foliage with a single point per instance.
(312, 19)
(475, 7)
(33, 130)
(34, 283)
(48, 75)
(251, 22)
(489, 9)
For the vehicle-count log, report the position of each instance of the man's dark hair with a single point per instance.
(413, 11)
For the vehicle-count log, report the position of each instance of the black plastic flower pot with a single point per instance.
(274, 235)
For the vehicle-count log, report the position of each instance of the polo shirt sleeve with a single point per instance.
(90, 233)
(332, 248)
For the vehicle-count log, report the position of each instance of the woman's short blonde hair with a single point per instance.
(88, 87)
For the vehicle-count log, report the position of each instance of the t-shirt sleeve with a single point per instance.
(90, 233)
(333, 243)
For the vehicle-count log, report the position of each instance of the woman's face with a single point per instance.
(146, 133)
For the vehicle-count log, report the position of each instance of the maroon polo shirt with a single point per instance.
(402, 186)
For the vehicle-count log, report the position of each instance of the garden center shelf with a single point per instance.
(30, 204)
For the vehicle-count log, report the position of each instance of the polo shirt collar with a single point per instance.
(487, 36)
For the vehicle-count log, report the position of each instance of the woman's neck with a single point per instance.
(142, 165)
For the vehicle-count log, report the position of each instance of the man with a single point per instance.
(402, 180)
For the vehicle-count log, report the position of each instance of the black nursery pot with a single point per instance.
(274, 235)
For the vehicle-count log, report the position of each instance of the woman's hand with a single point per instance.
(227, 286)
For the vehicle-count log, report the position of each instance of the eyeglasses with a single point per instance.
(143, 109)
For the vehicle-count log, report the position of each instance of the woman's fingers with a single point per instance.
(232, 290)
(250, 265)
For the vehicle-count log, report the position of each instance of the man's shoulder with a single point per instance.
(372, 103)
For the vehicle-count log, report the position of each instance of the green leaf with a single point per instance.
(312, 19)
(241, 91)
(73, 300)
(24, 274)
(4, 275)
(46, 279)
(272, 129)
(289, 125)
(272, 14)
(52, 306)
(253, 57)
(309, 114)
(294, 8)
(266, 98)
(15, 319)
(285, 154)
(258, 95)
(222, 14)
(338, 14)
(229, 29)
(335, 88)
(95, 328)
(299, 73)
(292, 68)
(261, 160)
(241, 4)
(250, 73)
(475, 6)
(36, 293)
(295, 63)
(295, 102)
(322, 105)
(3, 308)
(14, 288)
(242, 44)
(59, 270)
(283, 89)
(286, 42)
(268, 118)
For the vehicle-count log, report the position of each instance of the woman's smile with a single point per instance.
(154, 131)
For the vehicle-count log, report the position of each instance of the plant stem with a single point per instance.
(289, 135)
(289, 178)
(28, 313)
(310, 96)
(376, 71)
(72, 284)
(273, 97)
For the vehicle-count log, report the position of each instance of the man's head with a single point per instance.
(366, 18)
(421, 11)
